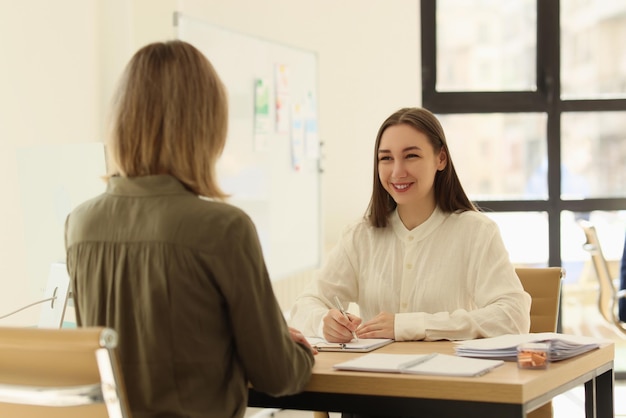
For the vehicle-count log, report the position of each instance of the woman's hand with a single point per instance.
(297, 337)
(337, 328)
(381, 326)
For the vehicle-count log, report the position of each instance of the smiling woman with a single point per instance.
(424, 263)
(396, 263)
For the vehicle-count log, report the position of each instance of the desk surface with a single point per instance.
(506, 383)
(528, 389)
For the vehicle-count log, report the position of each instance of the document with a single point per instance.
(426, 364)
(562, 346)
(360, 346)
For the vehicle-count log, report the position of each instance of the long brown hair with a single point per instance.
(449, 194)
(170, 117)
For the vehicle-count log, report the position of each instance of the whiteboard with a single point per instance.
(270, 165)
(53, 180)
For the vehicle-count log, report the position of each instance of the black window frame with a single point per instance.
(546, 99)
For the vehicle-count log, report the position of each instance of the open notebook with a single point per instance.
(430, 364)
(359, 346)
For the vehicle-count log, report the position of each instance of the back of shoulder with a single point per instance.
(88, 207)
(211, 212)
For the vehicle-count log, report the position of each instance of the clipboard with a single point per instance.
(360, 346)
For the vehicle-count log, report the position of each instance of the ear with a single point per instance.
(442, 160)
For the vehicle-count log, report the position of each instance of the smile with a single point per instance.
(401, 186)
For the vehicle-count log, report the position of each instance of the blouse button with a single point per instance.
(410, 238)
(409, 266)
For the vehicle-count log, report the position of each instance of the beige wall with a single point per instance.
(60, 61)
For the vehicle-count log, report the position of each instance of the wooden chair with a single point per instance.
(609, 294)
(544, 287)
(56, 373)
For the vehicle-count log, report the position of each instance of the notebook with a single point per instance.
(426, 364)
(360, 346)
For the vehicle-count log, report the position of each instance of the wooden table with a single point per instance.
(504, 392)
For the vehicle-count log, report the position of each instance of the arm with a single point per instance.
(68, 264)
(314, 312)
(273, 362)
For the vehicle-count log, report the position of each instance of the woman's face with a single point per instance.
(407, 165)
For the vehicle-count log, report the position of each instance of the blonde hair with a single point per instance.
(170, 116)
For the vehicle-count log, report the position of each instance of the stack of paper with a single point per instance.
(562, 346)
(431, 364)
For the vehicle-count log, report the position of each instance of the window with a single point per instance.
(532, 96)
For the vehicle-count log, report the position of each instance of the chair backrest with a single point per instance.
(544, 287)
(57, 373)
(607, 297)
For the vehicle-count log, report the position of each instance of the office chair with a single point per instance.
(56, 373)
(609, 294)
(544, 287)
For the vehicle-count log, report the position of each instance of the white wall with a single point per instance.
(60, 62)
(49, 94)
(368, 55)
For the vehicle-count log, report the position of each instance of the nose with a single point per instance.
(399, 170)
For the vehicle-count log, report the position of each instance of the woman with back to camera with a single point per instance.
(180, 278)
(423, 264)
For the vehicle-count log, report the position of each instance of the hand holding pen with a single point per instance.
(339, 306)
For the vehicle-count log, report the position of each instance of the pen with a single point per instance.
(345, 315)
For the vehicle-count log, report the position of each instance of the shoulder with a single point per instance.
(90, 208)
(360, 227)
(471, 221)
(472, 216)
(218, 215)
(212, 227)
(361, 234)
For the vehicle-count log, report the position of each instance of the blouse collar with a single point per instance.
(145, 185)
(419, 232)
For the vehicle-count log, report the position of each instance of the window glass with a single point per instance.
(593, 146)
(593, 41)
(486, 45)
(525, 236)
(499, 156)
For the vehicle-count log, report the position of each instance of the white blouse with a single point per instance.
(449, 278)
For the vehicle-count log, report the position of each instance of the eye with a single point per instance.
(384, 158)
(409, 156)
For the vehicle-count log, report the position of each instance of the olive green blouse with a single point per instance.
(183, 282)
